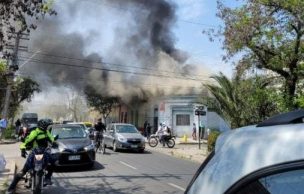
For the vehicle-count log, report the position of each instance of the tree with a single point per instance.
(3, 81)
(77, 105)
(101, 103)
(243, 102)
(269, 35)
(15, 17)
(23, 90)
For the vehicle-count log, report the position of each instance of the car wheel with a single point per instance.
(141, 150)
(114, 146)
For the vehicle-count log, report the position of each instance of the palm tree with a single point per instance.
(244, 101)
(227, 97)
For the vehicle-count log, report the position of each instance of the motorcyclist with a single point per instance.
(163, 133)
(38, 141)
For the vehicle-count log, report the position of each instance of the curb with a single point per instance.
(8, 175)
(7, 141)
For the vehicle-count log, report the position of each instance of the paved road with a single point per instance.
(125, 172)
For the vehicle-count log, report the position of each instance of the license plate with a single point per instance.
(133, 146)
(75, 157)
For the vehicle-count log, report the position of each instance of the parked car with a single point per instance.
(267, 158)
(124, 136)
(74, 146)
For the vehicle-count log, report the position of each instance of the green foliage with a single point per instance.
(212, 139)
(244, 101)
(3, 67)
(23, 13)
(23, 90)
(101, 103)
(269, 35)
(9, 132)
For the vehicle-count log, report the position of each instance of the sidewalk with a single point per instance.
(7, 175)
(7, 149)
(186, 150)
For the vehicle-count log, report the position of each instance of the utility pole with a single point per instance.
(13, 67)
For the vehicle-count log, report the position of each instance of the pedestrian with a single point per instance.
(145, 128)
(17, 127)
(202, 131)
(194, 132)
(148, 129)
(3, 125)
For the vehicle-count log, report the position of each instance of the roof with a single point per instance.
(242, 151)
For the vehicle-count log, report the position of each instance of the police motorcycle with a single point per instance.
(34, 178)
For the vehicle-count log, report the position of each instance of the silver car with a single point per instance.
(267, 158)
(124, 136)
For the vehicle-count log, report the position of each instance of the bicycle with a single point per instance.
(100, 146)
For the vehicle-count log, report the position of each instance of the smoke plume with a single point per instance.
(122, 48)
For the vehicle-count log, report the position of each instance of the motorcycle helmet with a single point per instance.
(44, 123)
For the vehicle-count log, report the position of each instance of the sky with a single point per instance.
(193, 16)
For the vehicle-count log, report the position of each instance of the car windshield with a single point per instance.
(126, 129)
(69, 132)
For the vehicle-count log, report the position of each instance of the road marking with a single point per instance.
(176, 186)
(128, 165)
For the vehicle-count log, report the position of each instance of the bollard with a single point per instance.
(185, 138)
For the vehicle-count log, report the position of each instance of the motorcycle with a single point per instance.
(34, 178)
(154, 139)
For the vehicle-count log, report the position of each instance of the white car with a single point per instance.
(267, 158)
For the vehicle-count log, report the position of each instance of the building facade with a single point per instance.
(178, 112)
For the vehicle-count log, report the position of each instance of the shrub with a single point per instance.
(212, 139)
(9, 133)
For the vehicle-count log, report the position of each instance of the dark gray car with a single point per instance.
(74, 146)
(124, 136)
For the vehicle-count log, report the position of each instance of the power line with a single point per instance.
(121, 82)
(114, 70)
(91, 61)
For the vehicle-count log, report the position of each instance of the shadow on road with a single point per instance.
(128, 152)
(97, 166)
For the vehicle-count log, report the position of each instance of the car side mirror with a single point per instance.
(56, 137)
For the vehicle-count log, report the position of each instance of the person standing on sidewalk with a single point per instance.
(194, 132)
(17, 127)
(3, 125)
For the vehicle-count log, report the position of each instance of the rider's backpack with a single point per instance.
(169, 131)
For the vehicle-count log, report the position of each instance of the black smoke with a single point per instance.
(142, 36)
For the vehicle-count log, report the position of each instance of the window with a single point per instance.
(290, 182)
(182, 120)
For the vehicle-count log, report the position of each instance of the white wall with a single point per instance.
(216, 122)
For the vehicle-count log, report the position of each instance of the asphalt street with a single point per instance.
(122, 172)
